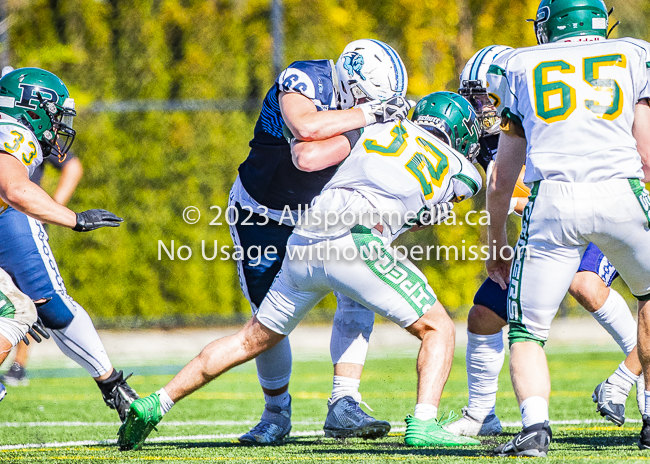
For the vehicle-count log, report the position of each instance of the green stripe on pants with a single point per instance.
(393, 273)
(518, 331)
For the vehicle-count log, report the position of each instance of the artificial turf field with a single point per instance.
(60, 416)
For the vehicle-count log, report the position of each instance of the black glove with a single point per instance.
(386, 110)
(96, 218)
(36, 330)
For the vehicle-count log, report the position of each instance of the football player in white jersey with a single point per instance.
(396, 174)
(485, 352)
(576, 108)
(36, 116)
(310, 101)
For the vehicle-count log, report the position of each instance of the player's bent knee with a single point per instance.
(481, 320)
(589, 290)
(255, 338)
(435, 319)
(55, 314)
(18, 314)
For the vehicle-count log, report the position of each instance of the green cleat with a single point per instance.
(431, 433)
(143, 416)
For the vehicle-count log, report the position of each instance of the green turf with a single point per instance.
(388, 387)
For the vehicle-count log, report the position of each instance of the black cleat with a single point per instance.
(532, 442)
(117, 394)
(644, 439)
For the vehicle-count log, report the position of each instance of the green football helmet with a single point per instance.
(561, 19)
(41, 101)
(451, 118)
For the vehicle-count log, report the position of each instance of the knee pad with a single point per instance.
(17, 311)
(55, 314)
(351, 331)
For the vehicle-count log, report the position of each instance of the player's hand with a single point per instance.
(499, 270)
(436, 215)
(37, 330)
(395, 108)
(96, 218)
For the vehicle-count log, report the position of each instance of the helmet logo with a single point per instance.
(543, 14)
(352, 63)
(470, 126)
(31, 92)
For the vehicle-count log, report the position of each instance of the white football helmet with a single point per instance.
(477, 67)
(473, 86)
(369, 70)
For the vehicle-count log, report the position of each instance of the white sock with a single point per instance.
(646, 409)
(425, 411)
(282, 400)
(166, 402)
(484, 358)
(534, 410)
(616, 318)
(345, 386)
(623, 378)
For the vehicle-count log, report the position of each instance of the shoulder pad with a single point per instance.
(21, 143)
(313, 79)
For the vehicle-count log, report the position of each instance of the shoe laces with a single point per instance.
(450, 418)
(353, 406)
(262, 427)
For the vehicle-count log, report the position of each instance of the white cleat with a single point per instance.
(469, 427)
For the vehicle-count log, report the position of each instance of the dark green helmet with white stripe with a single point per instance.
(562, 19)
(40, 100)
(451, 118)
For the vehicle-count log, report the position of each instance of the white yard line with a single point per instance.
(251, 422)
(396, 427)
(117, 424)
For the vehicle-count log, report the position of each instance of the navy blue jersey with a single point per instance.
(268, 174)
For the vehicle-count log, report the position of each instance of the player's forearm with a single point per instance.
(323, 125)
(70, 177)
(30, 199)
(510, 158)
(498, 203)
(308, 124)
(314, 156)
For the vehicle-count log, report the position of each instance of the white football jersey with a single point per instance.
(20, 142)
(576, 102)
(400, 171)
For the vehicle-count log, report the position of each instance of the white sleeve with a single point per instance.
(645, 71)
(500, 81)
(467, 182)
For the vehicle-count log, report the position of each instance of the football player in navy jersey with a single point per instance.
(311, 101)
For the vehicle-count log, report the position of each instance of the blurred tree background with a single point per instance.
(149, 165)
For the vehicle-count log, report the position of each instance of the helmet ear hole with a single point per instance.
(33, 115)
